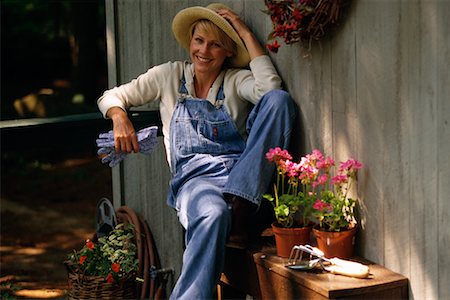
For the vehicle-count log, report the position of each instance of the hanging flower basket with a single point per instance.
(302, 20)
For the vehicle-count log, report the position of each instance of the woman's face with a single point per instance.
(207, 52)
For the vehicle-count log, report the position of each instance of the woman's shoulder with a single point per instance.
(170, 66)
(168, 70)
(177, 66)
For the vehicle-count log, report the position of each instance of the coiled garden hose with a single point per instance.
(154, 285)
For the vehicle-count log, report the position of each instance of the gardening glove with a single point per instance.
(105, 139)
(147, 139)
(113, 158)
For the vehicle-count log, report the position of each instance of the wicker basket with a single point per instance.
(95, 287)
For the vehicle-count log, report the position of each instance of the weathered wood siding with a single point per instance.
(378, 90)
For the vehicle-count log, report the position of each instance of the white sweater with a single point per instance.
(162, 83)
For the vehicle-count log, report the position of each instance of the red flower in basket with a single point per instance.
(82, 259)
(90, 245)
(113, 257)
(109, 278)
(115, 267)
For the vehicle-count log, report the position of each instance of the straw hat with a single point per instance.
(183, 21)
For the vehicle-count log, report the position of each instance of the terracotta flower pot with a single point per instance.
(286, 238)
(336, 244)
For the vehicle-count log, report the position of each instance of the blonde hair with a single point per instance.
(208, 26)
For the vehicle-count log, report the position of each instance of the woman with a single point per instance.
(215, 141)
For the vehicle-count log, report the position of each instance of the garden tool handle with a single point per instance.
(347, 268)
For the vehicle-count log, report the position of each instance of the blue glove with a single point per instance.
(113, 158)
(106, 139)
(147, 139)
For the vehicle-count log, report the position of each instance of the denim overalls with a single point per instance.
(209, 158)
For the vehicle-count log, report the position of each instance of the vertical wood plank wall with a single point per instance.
(377, 90)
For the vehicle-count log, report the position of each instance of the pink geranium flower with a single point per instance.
(277, 154)
(316, 155)
(321, 206)
(351, 164)
(313, 187)
(321, 180)
(339, 179)
(325, 163)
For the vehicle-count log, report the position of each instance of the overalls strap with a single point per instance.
(184, 93)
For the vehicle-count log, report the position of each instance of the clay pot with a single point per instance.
(286, 238)
(336, 244)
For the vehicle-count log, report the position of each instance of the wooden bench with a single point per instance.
(260, 273)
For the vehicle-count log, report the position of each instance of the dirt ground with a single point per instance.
(47, 210)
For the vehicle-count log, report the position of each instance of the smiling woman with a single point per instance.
(217, 110)
(208, 51)
(222, 39)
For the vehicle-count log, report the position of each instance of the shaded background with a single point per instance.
(53, 67)
(53, 57)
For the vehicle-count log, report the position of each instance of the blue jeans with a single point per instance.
(201, 179)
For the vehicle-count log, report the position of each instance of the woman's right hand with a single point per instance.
(125, 139)
(253, 46)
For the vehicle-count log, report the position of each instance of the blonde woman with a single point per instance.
(221, 112)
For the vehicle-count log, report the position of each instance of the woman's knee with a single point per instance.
(279, 99)
(208, 204)
(218, 213)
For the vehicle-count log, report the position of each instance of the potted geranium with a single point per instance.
(106, 268)
(334, 209)
(311, 190)
(292, 203)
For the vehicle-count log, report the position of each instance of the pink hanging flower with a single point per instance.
(297, 15)
(273, 47)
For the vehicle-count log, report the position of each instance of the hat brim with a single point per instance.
(183, 21)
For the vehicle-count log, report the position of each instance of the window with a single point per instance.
(53, 57)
